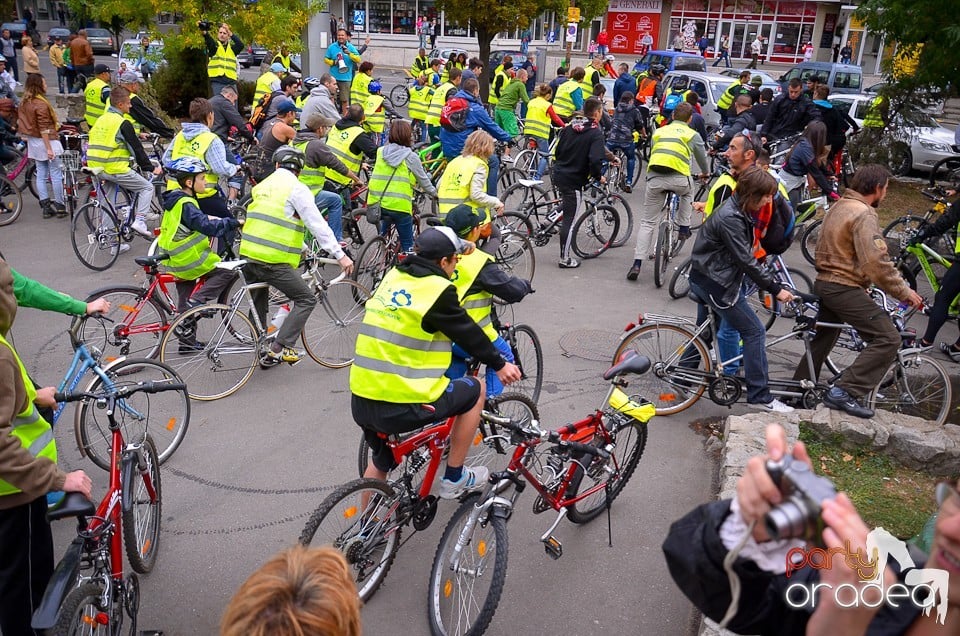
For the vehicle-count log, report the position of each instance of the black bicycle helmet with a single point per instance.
(290, 158)
(657, 69)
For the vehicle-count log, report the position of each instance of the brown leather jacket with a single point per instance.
(81, 54)
(36, 117)
(851, 251)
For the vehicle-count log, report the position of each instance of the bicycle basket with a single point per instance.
(71, 160)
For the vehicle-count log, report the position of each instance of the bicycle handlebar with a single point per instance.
(533, 432)
(119, 392)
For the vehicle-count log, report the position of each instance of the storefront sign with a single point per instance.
(829, 24)
(633, 25)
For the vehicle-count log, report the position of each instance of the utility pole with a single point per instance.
(573, 17)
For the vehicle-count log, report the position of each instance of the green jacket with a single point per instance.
(512, 94)
(30, 293)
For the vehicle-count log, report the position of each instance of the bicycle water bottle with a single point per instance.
(278, 319)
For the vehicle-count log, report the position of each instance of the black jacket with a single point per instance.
(129, 135)
(580, 154)
(626, 120)
(759, 112)
(723, 253)
(363, 144)
(192, 218)
(743, 121)
(789, 116)
(225, 115)
(494, 280)
(142, 114)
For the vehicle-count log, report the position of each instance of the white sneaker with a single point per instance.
(140, 227)
(152, 217)
(773, 406)
(123, 247)
(473, 478)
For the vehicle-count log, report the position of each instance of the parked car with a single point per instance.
(252, 56)
(101, 40)
(924, 143)
(496, 58)
(61, 32)
(130, 53)
(841, 78)
(935, 107)
(768, 81)
(672, 61)
(16, 31)
(444, 54)
(709, 86)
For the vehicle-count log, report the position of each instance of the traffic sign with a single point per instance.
(572, 32)
(573, 14)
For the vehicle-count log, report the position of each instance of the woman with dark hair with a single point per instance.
(805, 158)
(392, 181)
(37, 123)
(451, 63)
(461, 61)
(358, 89)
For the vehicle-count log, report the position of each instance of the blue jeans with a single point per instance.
(51, 169)
(724, 57)
(404, 223)
(458, 368)
(493, 164)
(744, 320)
(630, 150)
(331, 205)
(543, 145)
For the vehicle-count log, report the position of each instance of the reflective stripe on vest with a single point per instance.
(264, 86)
(494, 87)
(311, 176)
(396, 360)
(725, 180)
(32, 431)
(94, 106)
(339, 142)
(726, 98)
(105, 150)
(454, 186)
(874, 118)
(374, 117)
(129, 118)
(399, 198)
(269, 235)
(419, 102)
(189, 250)
(419, 66)
(563, 103)
(224, 63)
(436, 103)
(586, 89)
(537, 123)
(197, 148)
(478, 305)
(671, 147)
(358, 88)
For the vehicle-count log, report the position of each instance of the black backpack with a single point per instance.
(782, 227)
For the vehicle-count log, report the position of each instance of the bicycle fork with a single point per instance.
(488, 500)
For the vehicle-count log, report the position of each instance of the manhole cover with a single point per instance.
(590, 344)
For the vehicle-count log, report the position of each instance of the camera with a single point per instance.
(204, 25)
(798, 517)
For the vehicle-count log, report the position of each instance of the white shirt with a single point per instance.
(302, 205)
(756, 47)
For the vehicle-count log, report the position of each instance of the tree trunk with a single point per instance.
(484, 38)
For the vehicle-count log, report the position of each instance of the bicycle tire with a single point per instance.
(80, 609)
(514, 222)
(95, 236)
(915, 385)
(626, 218)
(372, 263)
(528, 355)
(616, 174)
(356, 542)
(526, 201)
(449, 587)
(112, 338)
(952, 167)
(30, 180)
(808, 243)
(330, 333)
(171, 408)
(141, 538)
(11, 201)
(399, 95)
(680, 281)
(515, 256)
(595, 230)
(660, 342)
(661, 256)
(229, 355)
(763, 303)
(526, 162)
(509, 177)
(625, 463)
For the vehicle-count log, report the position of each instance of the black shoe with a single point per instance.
(683, 235)
(839, 400)
(626, 187)
(47, 209)
(634, 273)
(59, 209)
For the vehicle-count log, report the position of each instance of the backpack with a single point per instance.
(453, 115)
(259, 114)
(671, 102)
(781, 228)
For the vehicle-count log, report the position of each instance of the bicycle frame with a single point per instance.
(925, 254)
(435, 439)
(82, 362)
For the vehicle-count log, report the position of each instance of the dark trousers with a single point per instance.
(949, 288)
(215, 282)
(217, 206)
(753, 61)
(26, 564)
(841, 303)
(569, 203)
(287, 281)
(61, 79)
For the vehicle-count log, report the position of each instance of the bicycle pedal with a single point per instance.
(553, 547)
(295, 362)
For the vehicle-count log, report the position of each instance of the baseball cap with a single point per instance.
(287, 106)
(101, 68)
(462, 219)
(438, 242)
(277, 67)
(129, 77)
(756, 80)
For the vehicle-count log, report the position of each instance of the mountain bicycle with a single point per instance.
(88, 589)
(11, 201)
(601, 193)
(365, 518)
(899, 231)
(669, 242)
(922, 267)
(382, 252)
(579, 472)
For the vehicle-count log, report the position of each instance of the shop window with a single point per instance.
(428, 9)
(405, 17)
(454, 29)
(787, 41)
(379, 19)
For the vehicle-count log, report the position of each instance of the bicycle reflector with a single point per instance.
(631, 325)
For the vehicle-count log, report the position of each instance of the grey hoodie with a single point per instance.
(394, 154)
(319, 101)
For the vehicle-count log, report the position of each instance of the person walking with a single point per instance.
(81, 55)
(724, 54)
(808, 52)
(9, 49)
(703, 44)
(56, 60)
(756, 48)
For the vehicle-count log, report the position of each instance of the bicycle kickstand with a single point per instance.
(551, 544)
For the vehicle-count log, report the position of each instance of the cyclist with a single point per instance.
(441, 94)
(465, 178)
(351, 144)
(358, 87)
(568, 97)
(420, 97)
(627, 121)
(803, 159)
(397, 378)
(668, 171)
(789, 113)
(537, 126)
(139, 111)
(376, 110)
(852, 255)
(731, 93)
(421, 64)
(477, 119)
(281, 210)
(742, 121)
(322, 99)
(97, 94)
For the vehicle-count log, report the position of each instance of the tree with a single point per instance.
(113, 15)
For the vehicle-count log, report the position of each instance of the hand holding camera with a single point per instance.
(204, 26)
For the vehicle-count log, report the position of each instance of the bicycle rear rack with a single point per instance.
(656, 319)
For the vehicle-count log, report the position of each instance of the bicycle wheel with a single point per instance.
(372, 263)
(515, 256)
(141, 522)
(330, 335)
(680, 281)
(11, 201)
(467, 576)
(661, 254)
(629, 438)
(617, 174)
(79, 614)
(95, 236)
(526, 162)
(526, 200)
(914, 385)
(515, 223)
(763, 303)
(30, 179)
(626, 218)
(808, 243)
(680, 362)
(213, 348)
(399, 95)
(946, 172)
(595, 230)
(164, 415)
(510, 177)
(361, 519)
(134, 327)
(802, 283)
(528, 355)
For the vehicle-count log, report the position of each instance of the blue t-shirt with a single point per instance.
(334, 51)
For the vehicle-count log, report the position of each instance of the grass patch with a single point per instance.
(885, 493)
(903, 197)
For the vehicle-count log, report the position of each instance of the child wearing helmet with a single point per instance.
(376, 110)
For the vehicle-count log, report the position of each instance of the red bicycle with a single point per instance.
(88, 592)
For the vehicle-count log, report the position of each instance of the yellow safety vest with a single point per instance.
(731, 93)
(396, 360)
(671, 147)
(339, 142)
(105, 150)
(588, 74)
(399, 196)
(494, 97)
(586, 89)
(285, 60)
(478, 305)
(196, 148)
(454, 186)
(725, 180)
(563, 103)
(224, 63)
(264, 86)
(32, 431)
(358, 88)
(311, 176)
(873, 118)
(374, 117)
(420, 66)
(95, 107)
(136, 124)
(269, 235)
(189, 250)
(436, 103)
(537, 123)
(419, 102)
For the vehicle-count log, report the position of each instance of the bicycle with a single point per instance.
(382, 252)
(669, 241)
(88, 588)
(951, 168)
(579, 475)
(228, 344)
(11, 201)
(601, 193)
(899, 231)
(926, 258)
(431, 156)
(807, 210)
(365, 518)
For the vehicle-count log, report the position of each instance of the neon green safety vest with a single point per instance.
(537, 123)
(358, 88)
(874, 118)
(563, 103)
(419, 66)
(32, 431)
(283, 59)
(196, 148)
(264, 86)
(454, 186)
(436, 103)
(396, 359)
(374, 117)
(501, 76)
(95, 106)
(105, 150)
(671, 147)
(339, 142)
(189, 250)
(224, 63)
(725, 180)
(136, 125)
(733, 91)
(586, 89)
(588, 74)
(269, 235)
(398, 196)
(419, 102)
(311, 176)
(478, 305)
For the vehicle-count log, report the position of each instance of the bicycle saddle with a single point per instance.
(74, 121)
(231, 265)
(630, 362)
(526, 183)
(73, 504)
(150, 261)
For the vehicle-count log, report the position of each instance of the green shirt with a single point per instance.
(30, 293)
(512, 94)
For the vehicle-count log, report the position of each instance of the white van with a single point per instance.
(130, 55)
